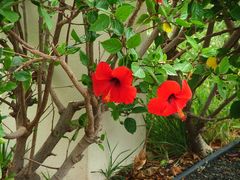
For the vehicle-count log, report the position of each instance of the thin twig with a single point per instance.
(206, 118)
(209, 100)
(7, 103)
(49, 167)
(68, 30)
(25, 21)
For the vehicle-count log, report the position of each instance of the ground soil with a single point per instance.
(225, 167)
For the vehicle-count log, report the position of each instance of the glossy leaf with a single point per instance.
(101, 23)
(134, 41)
(123, 12)
(112, 45)
(130, 125)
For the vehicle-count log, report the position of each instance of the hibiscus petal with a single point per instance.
(100, 87)
(166, 89)
(123, 94)
(103, 71)
(169, 110)
(186, 91)
(184, 95)
(124, 75)
(158, 107)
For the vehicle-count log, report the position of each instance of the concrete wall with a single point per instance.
(94, 158)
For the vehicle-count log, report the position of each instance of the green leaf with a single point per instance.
(134, 41)
(117, 27)
(10, 86)
(235, 61)
(46, 17)
(75, 36)
(71, 50)
(183, 67)
(16, 61)
(123, 12)
(224, 66)
(197, 23)
(184, 9)
(197, 10)
(112, 45)
(1, 131)
(101, 23)
(27, 84)
(139, 109)
(169, 70)
(61, 48)
(182, 22)
(130, 125)
(83, 58)
(234, 110)
(92, 16)
(192, 42)
(5, 4)
(9, 15)
(143, 19)
(86, 80)
(137, 70)
(8, 27)
(150, 6)
(112, 1)
(209, 52)
(235, 12)
(103, 4)
(22, 75)
(115, 114)
(101, 146)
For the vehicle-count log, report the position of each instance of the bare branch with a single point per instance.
(63, 125)
(148, 42)
(25, 21)
(57, 101)
(18, 133)
(209, 100)
(75, 156)
(232, 40)
(224, 104)
(209, 31)
(73, 78)
(178, 39)
(7, 103)
(206, 118)
(89, 111)
(135, 12)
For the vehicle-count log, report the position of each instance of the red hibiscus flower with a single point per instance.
(113, 85)
(159, 1)
(170, 99)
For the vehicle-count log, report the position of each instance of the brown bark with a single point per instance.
(45, 151)
(196, 142)
(75, 156)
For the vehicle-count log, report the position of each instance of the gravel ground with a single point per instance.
(226, 167)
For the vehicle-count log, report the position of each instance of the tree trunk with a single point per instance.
(196, 141)
(19, 152)
(60, 129)
(75, 156)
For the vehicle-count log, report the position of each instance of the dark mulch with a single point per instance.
(226, 167)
